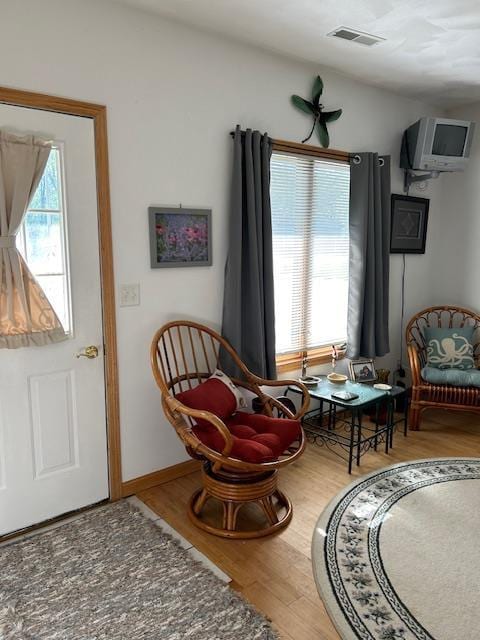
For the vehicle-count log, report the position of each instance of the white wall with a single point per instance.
(173, 94)
(457, 260)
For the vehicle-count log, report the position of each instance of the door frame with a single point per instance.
(97, 113)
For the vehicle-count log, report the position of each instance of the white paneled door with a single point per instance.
(53, 451)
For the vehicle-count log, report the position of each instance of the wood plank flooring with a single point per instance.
(275, 573)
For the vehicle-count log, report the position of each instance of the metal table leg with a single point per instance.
(387, 428)
(352, 441)
(391, 419)
(359, 438)
(376, 426)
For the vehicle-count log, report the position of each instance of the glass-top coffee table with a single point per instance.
(338, 424)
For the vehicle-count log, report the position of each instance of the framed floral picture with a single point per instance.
(180, 237)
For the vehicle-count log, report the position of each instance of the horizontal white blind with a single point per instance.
(310, 206)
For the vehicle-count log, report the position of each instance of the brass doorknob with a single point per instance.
(89, 352)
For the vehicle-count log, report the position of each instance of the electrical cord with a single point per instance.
(401, 370)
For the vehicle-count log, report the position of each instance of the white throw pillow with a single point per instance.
(241, 400)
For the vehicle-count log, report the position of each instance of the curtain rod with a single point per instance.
(354, 156)
(242, 133)
(300, 147)
(357, 159)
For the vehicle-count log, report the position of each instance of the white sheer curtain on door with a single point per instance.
(26, 316)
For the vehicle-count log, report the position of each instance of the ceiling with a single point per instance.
(431, 52)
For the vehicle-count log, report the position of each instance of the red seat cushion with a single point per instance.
(242, 431)
(287, 431)
(270, 440)
(256, 438)
(242, 449)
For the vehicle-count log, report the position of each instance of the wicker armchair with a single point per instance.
(183, 355)
(424, 394)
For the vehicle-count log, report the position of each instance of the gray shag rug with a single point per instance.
(112, 574)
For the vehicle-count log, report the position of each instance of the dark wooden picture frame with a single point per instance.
(409, 224)
(180, 237)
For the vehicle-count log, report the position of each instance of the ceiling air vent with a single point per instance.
(345, 33)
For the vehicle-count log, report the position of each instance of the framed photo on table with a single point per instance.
(362, 371)
(409, 224)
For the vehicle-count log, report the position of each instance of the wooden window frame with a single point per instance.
(299, 149)
(319, 355)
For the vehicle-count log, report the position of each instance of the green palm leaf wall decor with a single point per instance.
(315, 109)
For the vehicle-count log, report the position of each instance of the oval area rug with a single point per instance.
(396, 554)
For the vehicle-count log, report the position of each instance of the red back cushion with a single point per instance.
(213, 396)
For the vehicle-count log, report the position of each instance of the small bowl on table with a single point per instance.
(337, 378)
(382, 387)
(309, 381)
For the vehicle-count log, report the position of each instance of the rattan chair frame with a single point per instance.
(426, 395)
(185, 353)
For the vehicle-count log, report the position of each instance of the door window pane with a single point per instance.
(47, 195)
(42, 239)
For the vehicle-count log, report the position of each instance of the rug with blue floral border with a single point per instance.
(349, 571)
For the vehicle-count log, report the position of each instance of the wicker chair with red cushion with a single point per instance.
(241, 451)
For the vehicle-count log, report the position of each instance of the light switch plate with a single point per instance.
(129, 295)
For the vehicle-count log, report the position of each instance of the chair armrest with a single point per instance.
(283, 383)
(414, 364)
(176, 406)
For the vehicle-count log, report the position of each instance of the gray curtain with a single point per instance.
(248, 303)
(369, 256)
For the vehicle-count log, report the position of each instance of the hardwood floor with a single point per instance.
(275, 573)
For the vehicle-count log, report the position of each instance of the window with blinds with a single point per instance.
(310, 207)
